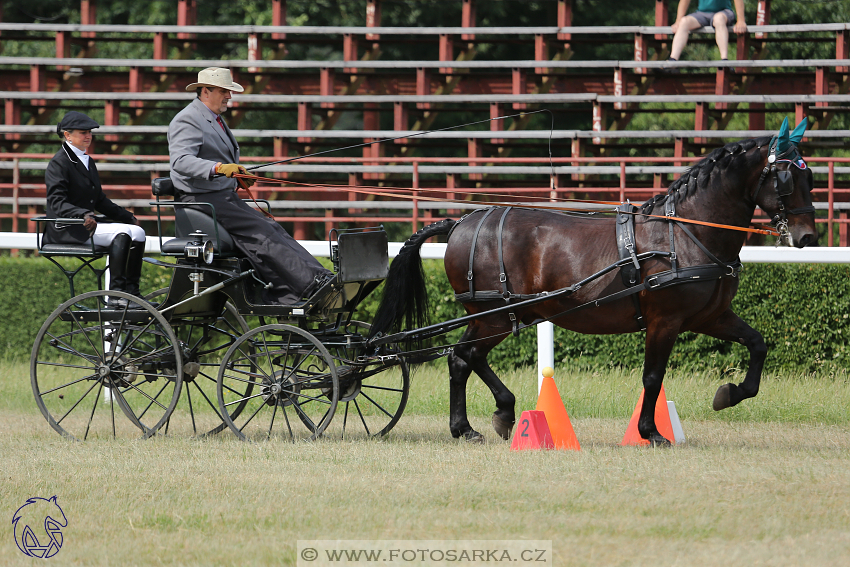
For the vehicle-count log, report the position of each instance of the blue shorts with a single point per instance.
(704, 18)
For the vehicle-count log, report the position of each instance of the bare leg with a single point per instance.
(730, 327)
(680, 40)
(721, 33)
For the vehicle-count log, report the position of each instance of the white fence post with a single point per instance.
(545, 349)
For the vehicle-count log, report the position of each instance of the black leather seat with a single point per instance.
(61, 249)
(189, 218)
(87, 253)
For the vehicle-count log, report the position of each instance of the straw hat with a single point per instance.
(216, 77)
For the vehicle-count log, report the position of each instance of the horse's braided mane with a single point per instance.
(699, 174)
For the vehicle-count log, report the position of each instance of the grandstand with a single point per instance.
(376, 82)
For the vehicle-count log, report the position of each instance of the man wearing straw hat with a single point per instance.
(204, 156)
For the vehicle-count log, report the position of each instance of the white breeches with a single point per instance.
(106, 231)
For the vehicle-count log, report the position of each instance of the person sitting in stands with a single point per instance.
(716, 13)
(74, 191)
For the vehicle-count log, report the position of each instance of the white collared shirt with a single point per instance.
(84, 157)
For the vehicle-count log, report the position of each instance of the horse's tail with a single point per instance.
(405, 300)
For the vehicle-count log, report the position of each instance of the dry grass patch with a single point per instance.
(766, 486)
(746, 493)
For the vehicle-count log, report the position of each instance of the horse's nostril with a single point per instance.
(807, 239)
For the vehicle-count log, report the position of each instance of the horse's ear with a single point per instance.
(783, 140)
(797, 134)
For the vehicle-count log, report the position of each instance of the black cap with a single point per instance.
(76, 121)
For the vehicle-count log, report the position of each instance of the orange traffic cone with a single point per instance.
(549, 402)
(532, 432)
(662, 422)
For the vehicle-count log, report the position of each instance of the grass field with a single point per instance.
(765, 483)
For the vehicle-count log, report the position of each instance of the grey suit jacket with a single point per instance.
(195, 144)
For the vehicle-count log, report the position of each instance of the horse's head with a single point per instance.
(784, 190)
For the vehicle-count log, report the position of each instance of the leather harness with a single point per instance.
(629, 266)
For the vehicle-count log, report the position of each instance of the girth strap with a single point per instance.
(489, 295)
(472, 251)
(626, 243)
(625, 231)
(503, 277)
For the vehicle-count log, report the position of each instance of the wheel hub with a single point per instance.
(191, 371)
(350, 392)
(274, 393)
(119, 372)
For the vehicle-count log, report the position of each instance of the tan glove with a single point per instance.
(228, 169)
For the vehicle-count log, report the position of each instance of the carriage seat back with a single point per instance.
(191, 218)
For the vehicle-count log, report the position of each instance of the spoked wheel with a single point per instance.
(372, 395)
(203, 342)
(91, 362)
(291, 380)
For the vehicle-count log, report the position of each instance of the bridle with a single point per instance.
(783, 184)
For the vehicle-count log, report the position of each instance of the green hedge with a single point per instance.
(803, 312)
(31, 288)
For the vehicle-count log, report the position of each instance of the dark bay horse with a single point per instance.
(543, 251)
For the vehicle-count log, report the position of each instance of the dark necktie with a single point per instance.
(220, 123)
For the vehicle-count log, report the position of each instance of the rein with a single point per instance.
(370, 191)
(243, 185)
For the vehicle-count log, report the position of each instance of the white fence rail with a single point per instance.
(436, 251)
(545, 331)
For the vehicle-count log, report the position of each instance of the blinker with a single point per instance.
(783, 183)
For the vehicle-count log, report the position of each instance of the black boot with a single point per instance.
(134, 267)
(119, 252)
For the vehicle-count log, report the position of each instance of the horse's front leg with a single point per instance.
(660, 338)
(730, 327)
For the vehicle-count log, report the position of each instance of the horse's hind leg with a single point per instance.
(730, 327)
(459, 371)
(468, 356)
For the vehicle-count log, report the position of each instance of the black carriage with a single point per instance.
(205, 353)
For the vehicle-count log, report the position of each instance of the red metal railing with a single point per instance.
(24, 200)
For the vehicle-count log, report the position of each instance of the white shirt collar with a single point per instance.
(84, 157)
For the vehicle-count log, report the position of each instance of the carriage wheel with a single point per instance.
(372, 397)
(203, 343)
(89, 361)
(292, 379)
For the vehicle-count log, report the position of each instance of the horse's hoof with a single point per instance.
(473, 436)
(723, 398)
(503, 427)
(658, 440)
